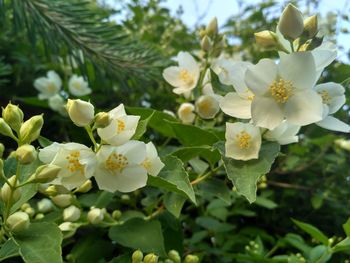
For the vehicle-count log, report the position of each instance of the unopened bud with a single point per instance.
(80, 112)
(39, 216)
(62, 200)
(8, 194)
(30, 130)
(116, 214)
(30, 211)
(45, 205)
(291, 24)
(102, 120)
(212, 27)
(266, 39)
(85, 187)
(174, 256)
(185, 113)
(5, 129)
(71, 213)
(202, 33)
(344, 144)
(45, 173)
(205, 44)
(18, 221)
(50, 190)
(191, 259)
(2, 149)
(68, 229)
(150, 258)
(95, 215)
(207, 106)
(137, 256)
(310, 26)
(26, 154)
(13, 115)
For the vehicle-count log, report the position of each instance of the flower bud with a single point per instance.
(62, 200)
(137, 256)
(44, 205)
(266, 39)
(102, 120)
(95, 215)
(291, 24)
(71, 213)
(185, 113)
(25, 206)
(212, 27)
(1, 167)
(116, 214)
(45, 173)
(174, 256)
(2, 149)
(13, 115)
(310, 26)
(30, 130)
(5, 129)
(80, 112)
(344, 144)
(30, 211)
(68, 229)
(207, 106)
(150, 258)
(39, 216)
(191, 259)
(7, 194)
(85, 187)
(50, 190)
(205, 44)
(26, 154)
(18, 221)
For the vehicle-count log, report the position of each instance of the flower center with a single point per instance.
(77, 85)
(281, 90)
(51, 87)
(147, 164)
(73, 162)
(243, 140)
(121, 126)
(186, 77)
(326, 98)
(116, 162)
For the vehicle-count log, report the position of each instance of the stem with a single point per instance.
(203, 177)
(155, 213)
(91, 136)
(201, 78)
(13, 188)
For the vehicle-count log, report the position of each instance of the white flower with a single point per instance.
(224, 68)
(184, 77)
(243, 141)
(324, 55)
(291, 23)
(207, 106)
(57, 103)
(238, 104)
(285, 133)
(78, 86)
(120, 168)
(48, 86)
(76, 160)
(284, 91)
(333, 99)
(71, 213)
(152, 163)
(81, 112)
(121, 128)
(185, 113)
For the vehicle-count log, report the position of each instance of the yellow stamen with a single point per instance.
(73, 162)
(326, 98)
(121, 126)
(116, 162)
(186, 77)
(147, 164)
(243, 140)
(281, 90)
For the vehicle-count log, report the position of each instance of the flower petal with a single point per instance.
(266, 112)
(172, 76)
(333, 124)
(134, 151)
(233, 105)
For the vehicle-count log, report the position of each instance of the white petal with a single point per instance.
(323, 57)
(47, 154)
(134, 151)
(171, 75)
(53, 76)
(303, 108)
(156, 165)
(288, 140)
(260, 76)
(333, 124)
(232, 104)
(299, 68)
(151, 150)
(117, 112)
(266, 112)
(186, 61)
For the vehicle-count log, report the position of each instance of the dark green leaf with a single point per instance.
(173, 203)
(142, 127)
(312, 231)
(8, 250)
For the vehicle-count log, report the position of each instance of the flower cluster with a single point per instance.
(118, 163)
(270, 100)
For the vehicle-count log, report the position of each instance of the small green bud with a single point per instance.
(25, 206)
(291, 24)
(5, 129)
(174, 256)
(18, 221)
(1, 167)
(95, 215)
(206, 44)
(168, 261)
(137, 256)
(30, 130)
(26, 154)
(150, 258)
(311, 26)
(68, 229)
(30, 211)
(191, 259)
(102, 120)
(7, 194)
(62, 200)
(2, 149)
(51, 190)
(116, 214)
(39, 216)
(266, 39)
(71, 213)
(202, 33)
(45, 205)
(13, 115)
(45, 173)
(85, 187)
(212, 27)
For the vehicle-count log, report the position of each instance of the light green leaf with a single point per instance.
(8, 250)
(41, 242)
(142, 127)
(245, 174)
(312, 231)
(174, 202)
(320, 254)
(346, 227)
(215, 187)
(297, 242)
(343, 245)
(174, 178)
(137, 233)
(264, 202)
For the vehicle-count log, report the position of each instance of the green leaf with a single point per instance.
(343, 245)
(297, 242)
(312, 231)
(41, 242)
(142, 127)
(174, 178)
(8, 250)
(346, 227)
(264, 202)
(206, 152)
(215, 187)
(245, 174)
(218, 87)
(44, 142)
(174, 202)
(320, 254)
(139, 234)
